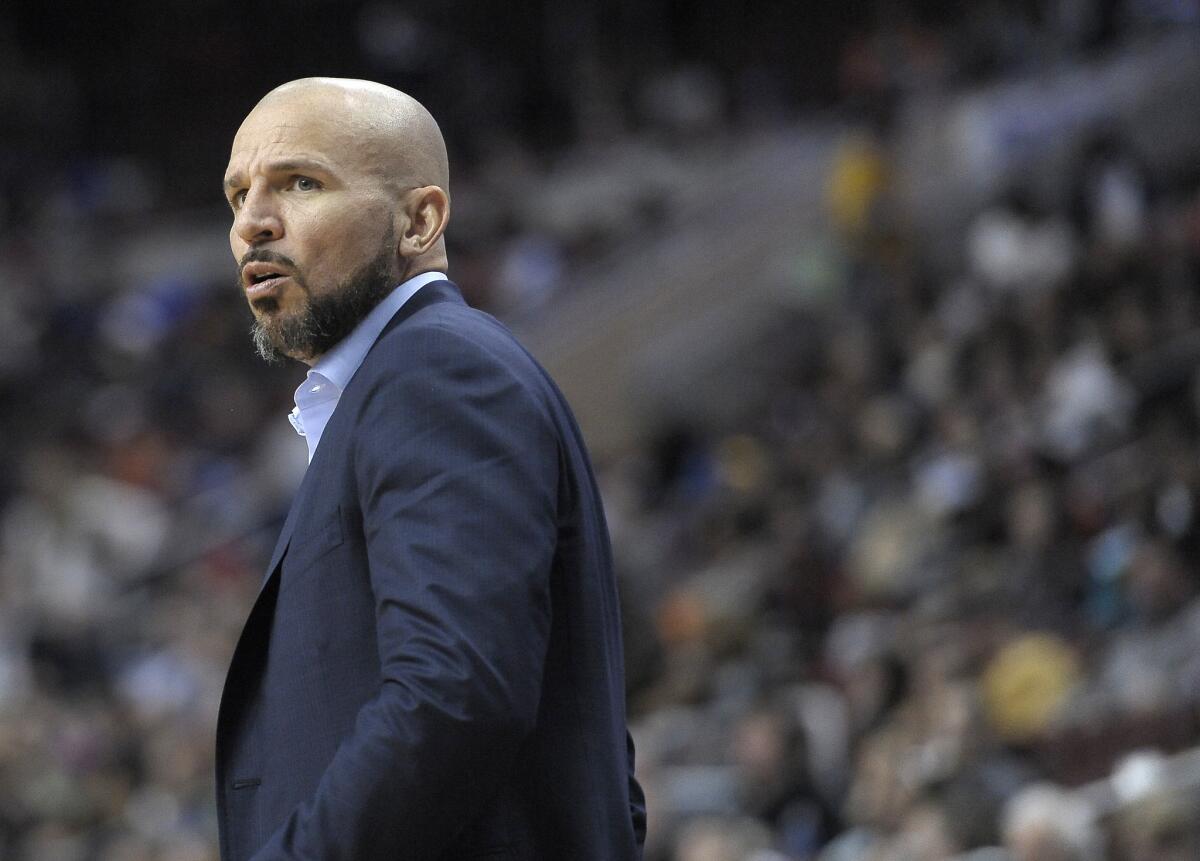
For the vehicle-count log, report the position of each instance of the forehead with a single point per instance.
(286, 128)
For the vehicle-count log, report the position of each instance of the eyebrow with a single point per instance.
(236, 181)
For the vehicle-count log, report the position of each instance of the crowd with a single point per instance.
(938, 600)
(949, 576)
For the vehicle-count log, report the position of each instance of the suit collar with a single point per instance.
(432, 293)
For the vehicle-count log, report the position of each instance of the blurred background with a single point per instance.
(882, 321)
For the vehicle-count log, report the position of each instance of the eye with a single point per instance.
(237, 198)
(304, 183)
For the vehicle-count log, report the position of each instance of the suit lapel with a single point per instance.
(285, 534)
(431, 293)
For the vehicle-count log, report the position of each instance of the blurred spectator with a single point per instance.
(1016, 249)
(1044, 823)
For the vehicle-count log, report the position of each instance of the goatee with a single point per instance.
(327, 318)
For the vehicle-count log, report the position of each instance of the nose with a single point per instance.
(258, 219)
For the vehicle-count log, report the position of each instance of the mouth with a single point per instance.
(265, 286)
(262, 279)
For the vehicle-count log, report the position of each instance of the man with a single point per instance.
(432, 669)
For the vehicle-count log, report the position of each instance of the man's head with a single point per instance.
(339, 190)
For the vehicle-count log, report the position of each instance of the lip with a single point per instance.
(265, 288)
(257, 269)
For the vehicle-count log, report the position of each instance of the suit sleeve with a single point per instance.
(456, 463)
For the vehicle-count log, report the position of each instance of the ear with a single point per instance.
(423, 219)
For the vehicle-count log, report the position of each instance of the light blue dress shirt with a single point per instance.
(318, 395)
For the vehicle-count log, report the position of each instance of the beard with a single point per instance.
(327, 318)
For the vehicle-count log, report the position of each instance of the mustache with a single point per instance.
(263, 255)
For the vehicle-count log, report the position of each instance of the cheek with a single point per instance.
(335, 256)
(319, 266)
(335, 238)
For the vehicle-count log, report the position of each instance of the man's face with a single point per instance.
(312, 230)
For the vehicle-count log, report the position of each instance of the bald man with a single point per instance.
(432, 668)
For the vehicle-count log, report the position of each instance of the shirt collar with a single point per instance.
(339, 364)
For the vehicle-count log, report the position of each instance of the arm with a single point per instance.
(457, 470)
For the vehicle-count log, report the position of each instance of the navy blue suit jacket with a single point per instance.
(433, 667)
